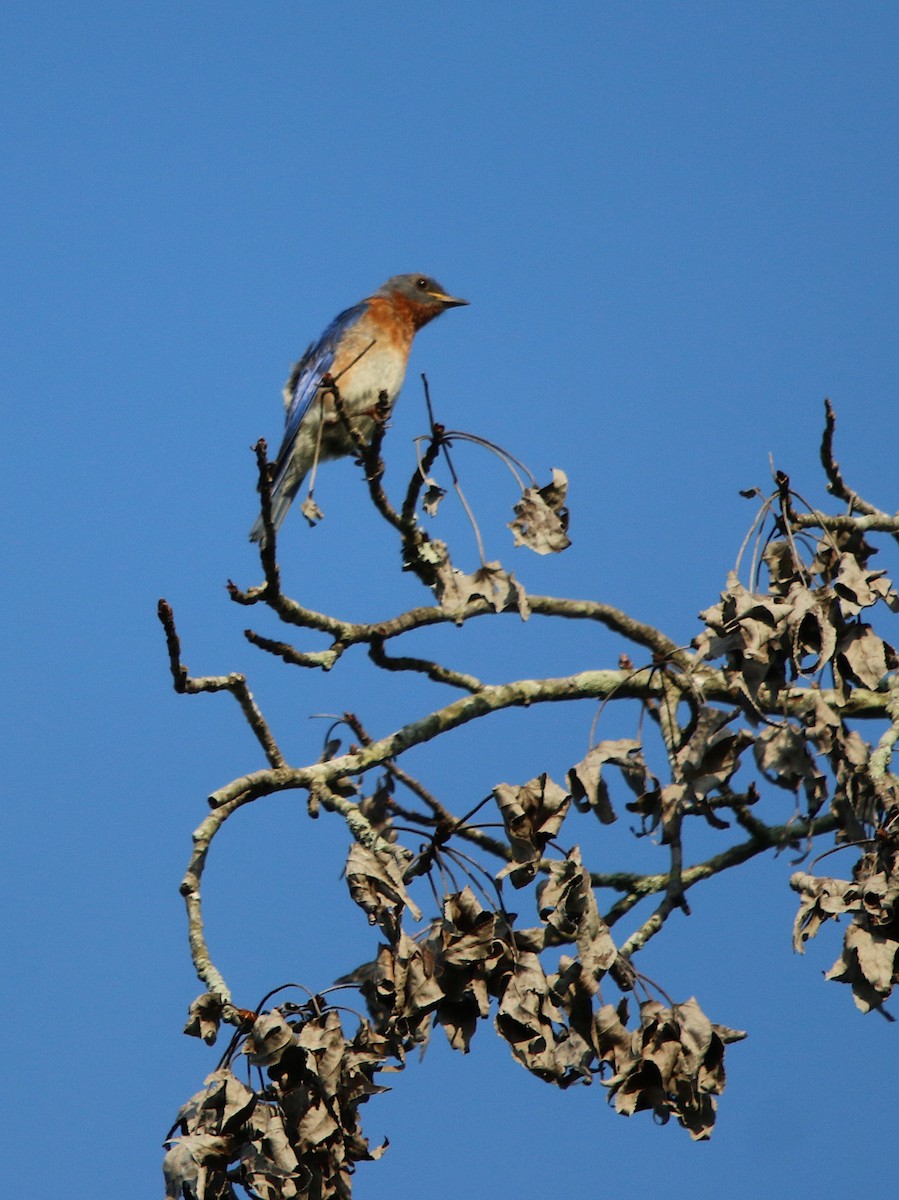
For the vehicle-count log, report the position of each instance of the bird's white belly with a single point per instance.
(361, 387)
(376, 371)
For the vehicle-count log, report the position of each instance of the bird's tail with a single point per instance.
(282, 498)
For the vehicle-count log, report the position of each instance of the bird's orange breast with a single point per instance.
(394, 320)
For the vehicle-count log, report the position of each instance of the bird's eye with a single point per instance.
(422, 283)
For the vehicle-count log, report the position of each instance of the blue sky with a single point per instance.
(676, 224)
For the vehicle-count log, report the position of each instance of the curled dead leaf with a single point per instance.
(822, 900)
(864, 657)
(868, 964)
(589, 789)
(672, 1065)
(541, 519)
(205, 1016)
(783, 757)
(190, 1161)
(375, 882)
(567, 903)
(532, 814)
(311, 511)
(433, 494)
(269, 1039)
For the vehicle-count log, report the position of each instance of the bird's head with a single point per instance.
(424, 295)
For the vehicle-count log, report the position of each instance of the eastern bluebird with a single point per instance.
(365, 350)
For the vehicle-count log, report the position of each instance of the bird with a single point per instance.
(364, 351)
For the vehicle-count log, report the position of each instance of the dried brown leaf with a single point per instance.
(541, 519)
(783, 570)
(695, 1034)
(613, 1039)
(433, 494)
(823, 724)
(499, 588)
(880, 897)
(868, 963)
(673, 1064)
(532, 1025)
(190, 1161)
(585, 780)
(269, 1161)
(403, 991)
(864, 657)
(469, 945)
(451, 589)
(751, 630)
(219, 1107)
(375, 882)
(324, 1044)
(876, 955)
(532, 814)
(711, 756)
(859, 588)
(317, 1124)
(822, 900)
(567, 904)
(491, 582)
(812, 623)
(269, 1039)
(311, 511)
(783, 757)
(205, 1017)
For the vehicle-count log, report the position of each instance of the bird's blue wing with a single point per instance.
(307, 374)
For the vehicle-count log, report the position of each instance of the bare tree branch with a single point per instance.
(234, 683)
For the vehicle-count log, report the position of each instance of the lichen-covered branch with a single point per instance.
(766, 837)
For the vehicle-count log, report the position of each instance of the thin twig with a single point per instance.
(444, 447)
(268, 541)
(324, 659)
(775, 837)
(433, 670)
(235, 683)
(416, 482)
(368, 450)
(838, 487)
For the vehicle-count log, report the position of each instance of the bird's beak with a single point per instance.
(447, 301)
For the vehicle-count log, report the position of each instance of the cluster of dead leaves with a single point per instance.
(455, 590)
(296, 1137)
(672, 1064)
(869, 961)
(473, 961)
(808, 620)
(540, 523)
(473, 957)
(703, 765)
(809, 623)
